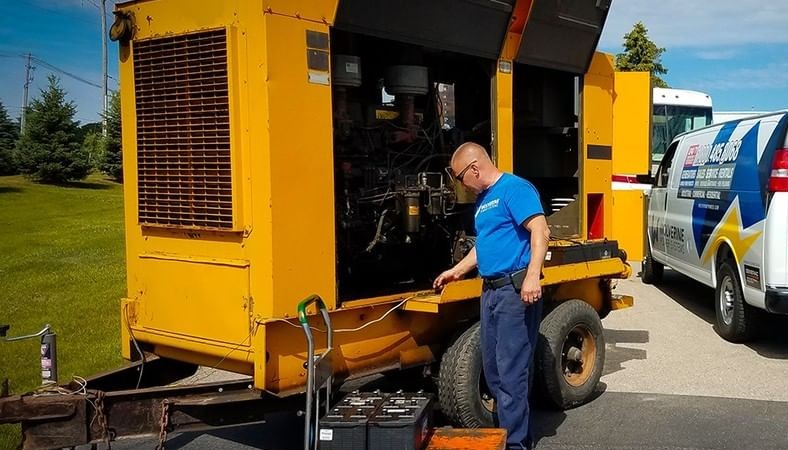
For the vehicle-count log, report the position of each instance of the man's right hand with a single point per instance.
(448, 276)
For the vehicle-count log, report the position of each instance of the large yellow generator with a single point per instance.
(279, 149)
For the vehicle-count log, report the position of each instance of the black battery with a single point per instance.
(581, 252)
(345, 426)
(402, 422)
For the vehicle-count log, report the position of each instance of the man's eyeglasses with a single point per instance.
(461, 174)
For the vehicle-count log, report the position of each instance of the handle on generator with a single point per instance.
(308, 301)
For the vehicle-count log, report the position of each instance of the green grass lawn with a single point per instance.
(61, 263)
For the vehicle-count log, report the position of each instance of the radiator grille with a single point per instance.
(183, 131)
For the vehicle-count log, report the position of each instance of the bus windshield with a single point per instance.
(668, 121)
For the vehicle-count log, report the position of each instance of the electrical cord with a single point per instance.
(136, 344)
(350, 330)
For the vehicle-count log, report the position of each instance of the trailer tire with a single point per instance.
(736, 319)
(652, 270)
(570, 354)
(462, 390)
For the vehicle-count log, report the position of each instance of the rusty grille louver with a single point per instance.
(183, 131)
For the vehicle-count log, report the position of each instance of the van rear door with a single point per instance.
(776, 228)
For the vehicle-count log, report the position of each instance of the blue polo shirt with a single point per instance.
(503, 245)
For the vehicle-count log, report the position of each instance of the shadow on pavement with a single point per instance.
(282, 431)
(615, 355)
(771, 340)
(545, 424)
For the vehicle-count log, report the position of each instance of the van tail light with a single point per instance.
(778, 181)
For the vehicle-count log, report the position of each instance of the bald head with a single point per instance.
(472, 164)
(469, 151)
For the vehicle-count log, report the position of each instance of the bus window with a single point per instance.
(676, 111)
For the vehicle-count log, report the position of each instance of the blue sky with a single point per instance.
(734, 50)
(63, 33)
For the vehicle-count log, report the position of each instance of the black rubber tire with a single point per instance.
(551, 383)
(745, 317)
(652, 270)
(459, 382)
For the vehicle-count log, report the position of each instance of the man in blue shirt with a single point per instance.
(511, 243)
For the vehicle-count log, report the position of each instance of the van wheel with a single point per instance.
(735, 317)
(570, 354)
(652, 270)
(462, 390)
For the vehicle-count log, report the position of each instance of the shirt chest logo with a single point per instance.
(492, 204)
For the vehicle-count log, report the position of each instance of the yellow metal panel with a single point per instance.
(193, 286)
(213, 302)
(502, 89)
(502, 116)
(605, 268)
(420, 306)
(621, 302)
(462, 290)
(587, 290)
(597, 135)
(260, 354)
(313, 10)
(579, 280)
(301, 175)
(632, 123)
(378, 346)
(629, 222)
(520, 14)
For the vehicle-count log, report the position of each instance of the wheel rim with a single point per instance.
(726, 300)
(578, 355)
(488, 402)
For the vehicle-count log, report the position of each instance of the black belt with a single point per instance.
(515, 279)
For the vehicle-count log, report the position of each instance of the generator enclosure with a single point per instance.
(277, 149)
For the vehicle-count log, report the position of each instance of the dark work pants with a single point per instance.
(509, 330)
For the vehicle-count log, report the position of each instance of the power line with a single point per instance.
(64, 72)
(52, 67)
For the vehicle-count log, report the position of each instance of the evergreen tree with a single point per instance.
(9, 132)
(49, 149)
(112, 164)
(642, 55)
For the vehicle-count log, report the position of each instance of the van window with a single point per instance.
(664, 168)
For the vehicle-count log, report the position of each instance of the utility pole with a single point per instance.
(28, 78)
(104, 66)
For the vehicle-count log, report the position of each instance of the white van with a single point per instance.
(718, 213)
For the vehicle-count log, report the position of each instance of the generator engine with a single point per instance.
(401, 217)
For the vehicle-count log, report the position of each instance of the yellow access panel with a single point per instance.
(632, 123)
(596, 144)
(631, 156)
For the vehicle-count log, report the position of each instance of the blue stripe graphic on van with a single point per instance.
(746, 182)
(705, 219)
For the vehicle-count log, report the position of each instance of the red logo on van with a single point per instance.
(693, 150)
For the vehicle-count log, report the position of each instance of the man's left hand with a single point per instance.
(531, 291)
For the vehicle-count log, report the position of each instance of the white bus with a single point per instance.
(674, 112)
